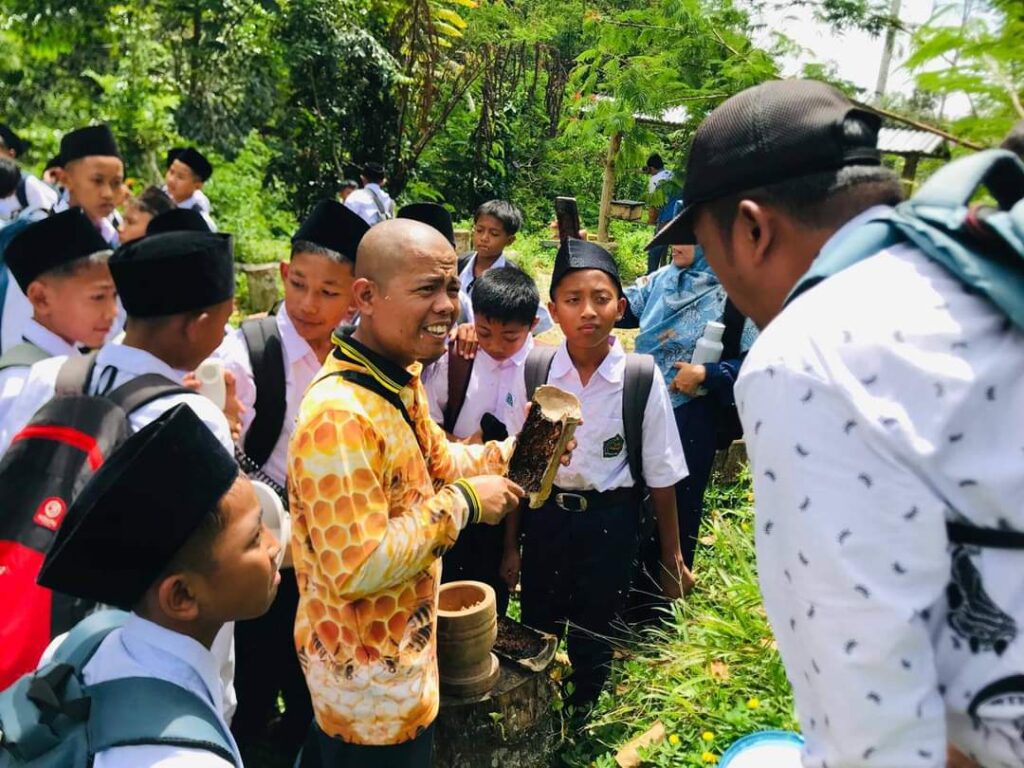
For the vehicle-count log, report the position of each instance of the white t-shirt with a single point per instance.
(369, 201)
(38, 194)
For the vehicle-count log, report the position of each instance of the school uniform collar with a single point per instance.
(182, 647)
(47, 340)
(388, 373)
(136, 361)
(612, 368)
(466, 277)
(295, 347)
(848, 228)
(514, 361)
(193, 201)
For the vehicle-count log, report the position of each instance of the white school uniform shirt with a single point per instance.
(466, 280)
(368, 201)
(199, 203)
(878, 405)
(497, 387)
(141, 648)
(301, 366)
(599, 462)
(656, 179)
(12, 380)
(39, 195)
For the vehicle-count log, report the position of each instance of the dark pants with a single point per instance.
(476, 556)
(656, 258)
(323, 751)
(577, 568)
(265, 665)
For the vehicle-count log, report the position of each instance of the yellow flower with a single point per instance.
(708, 736)
(673, 739)
(753, 703)
(707, 757)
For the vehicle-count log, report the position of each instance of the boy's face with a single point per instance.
(242, 579)
(133, 225)
(317, 294)
(94, 183)
(490, 237)
(181, 181)
(501, 340)
(586, 306)
(80, 308)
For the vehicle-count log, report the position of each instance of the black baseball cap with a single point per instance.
(772, 132)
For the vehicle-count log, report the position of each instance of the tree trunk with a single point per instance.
(608, 186)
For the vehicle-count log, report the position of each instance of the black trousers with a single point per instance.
(476, 556)
(576, 574)
(323, 751)
(265, 665)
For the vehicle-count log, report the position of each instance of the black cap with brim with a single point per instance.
(332, 226)
(177, 220)
(770, 133)
(172, 154)
(431, 214)
(195, 160)
(576, 254)
(139, 509)
(12, 140)
(52, 242)
(174, 272)
(96, 140)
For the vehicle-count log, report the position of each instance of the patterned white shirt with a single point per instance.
(877, 406)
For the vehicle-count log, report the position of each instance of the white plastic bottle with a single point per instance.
(211, 380)
(708, 348)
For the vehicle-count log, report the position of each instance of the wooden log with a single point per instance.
(608, 186)
(540, 445)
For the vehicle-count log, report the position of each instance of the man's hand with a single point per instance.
(498, 496)
(463, 341)
(688, 378)
(233, 408)
(675, 578)
(511, 562)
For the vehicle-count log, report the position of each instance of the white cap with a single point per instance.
(713, 331)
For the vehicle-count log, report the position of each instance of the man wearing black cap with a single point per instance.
(169, 529)
(875, 407)
(274, 360)
(372, 202)
(187, 171)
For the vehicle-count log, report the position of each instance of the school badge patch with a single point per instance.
(613, 447)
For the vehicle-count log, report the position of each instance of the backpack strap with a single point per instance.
(463, 262)
(133, 711)
(86, 636)
(538, 367)
(636, 389)
(22, 356)
(732, 337)
(266, 356)
(144, 389)
(460, 371)
(21, 191)
(75, 374)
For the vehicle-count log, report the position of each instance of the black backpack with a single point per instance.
(44, 469)
(266, 356)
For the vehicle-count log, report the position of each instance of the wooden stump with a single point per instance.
(513, 725)
(729, 463)
(262, 282)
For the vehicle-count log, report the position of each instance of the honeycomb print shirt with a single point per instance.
(376, 499)
(880, 407)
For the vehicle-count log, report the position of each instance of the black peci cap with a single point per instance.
(86, 142)
(50, 243)
(333, 226)
(174, 272)
(177, 220)
(12, 140)
(779, 130)
(432, 215)
(194, 159)
(172, 155)
(139, 509)
(576, 254)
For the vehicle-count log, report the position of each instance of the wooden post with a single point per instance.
(909, 173)
(608, 186)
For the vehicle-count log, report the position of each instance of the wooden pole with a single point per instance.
(909, 173)
(608, 186)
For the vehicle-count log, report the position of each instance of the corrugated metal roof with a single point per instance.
(905, 141)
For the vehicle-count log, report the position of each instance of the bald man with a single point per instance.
(377, 495)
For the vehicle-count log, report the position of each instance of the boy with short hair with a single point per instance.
(482, 399)
(19, 191)
(60, 264)
(579, 548)
(141, 210)
(168, 528)
(274, 360)
(187, 171)
(371, 202)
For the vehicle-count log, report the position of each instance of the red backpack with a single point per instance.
(45, 467)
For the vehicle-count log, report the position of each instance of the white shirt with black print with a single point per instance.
(879, 405)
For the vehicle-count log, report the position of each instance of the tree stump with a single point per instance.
(262, 282)
(729, 463)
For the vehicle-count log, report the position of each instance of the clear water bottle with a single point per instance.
(708, 348)
(211, 381)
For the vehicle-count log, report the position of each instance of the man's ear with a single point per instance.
(176, 598)
(284, 270)
(511, 240)
(194, 325)
(753, 231)
(39, 296)
(622, 308)
(363, 292)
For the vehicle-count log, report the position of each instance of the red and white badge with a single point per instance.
(51, 513)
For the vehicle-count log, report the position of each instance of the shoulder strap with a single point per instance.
(463, 262)
(538, 367)
(381, 208)
(144, 389)
(266, 355)
(733, 336)
(75, 374)
(86, 636)
(460, 370)
(22, 356)
(21, 192)
(133, 711)
(636, 389)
